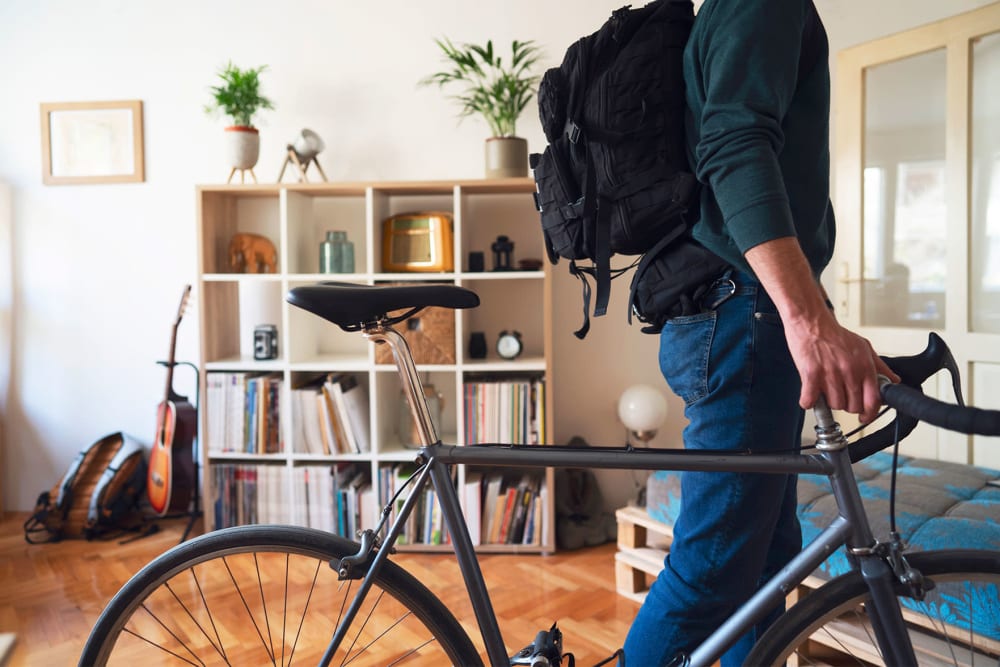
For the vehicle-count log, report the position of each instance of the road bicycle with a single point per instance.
(284, 595)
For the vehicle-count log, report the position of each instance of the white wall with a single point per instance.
(96, 271)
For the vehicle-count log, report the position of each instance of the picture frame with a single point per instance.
(92, 142)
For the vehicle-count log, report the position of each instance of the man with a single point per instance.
(766, 343)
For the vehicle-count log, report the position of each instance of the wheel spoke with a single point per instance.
(163, 625)
(246, 606)
(161, 647)
(221, 648)
(263, 604)
(379, 636)
(305, 609)
(187, 611)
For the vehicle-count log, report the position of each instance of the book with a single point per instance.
(368, 513)
(334, 388)
(472, 503)
(507, 515)
(524, 492)
(399, 474)
(325, 425)
(308, 422)
(356, 406)
(491, 494)
(339, 444)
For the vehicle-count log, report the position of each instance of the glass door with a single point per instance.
(918, 205)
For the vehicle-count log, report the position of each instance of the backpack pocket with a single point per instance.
(671, 283)
(559, 204)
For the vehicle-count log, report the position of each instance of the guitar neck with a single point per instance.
(170, 365)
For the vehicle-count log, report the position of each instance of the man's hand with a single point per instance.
(838, 364)
(831, 360)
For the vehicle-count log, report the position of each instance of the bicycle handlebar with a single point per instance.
(912, 406)
(964, 419)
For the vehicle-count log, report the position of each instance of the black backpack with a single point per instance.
(614, 178)
(98, 495)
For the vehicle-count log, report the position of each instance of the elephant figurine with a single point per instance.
(248, 253)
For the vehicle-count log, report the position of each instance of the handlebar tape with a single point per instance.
(945, 415)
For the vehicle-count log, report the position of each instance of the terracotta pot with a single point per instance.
(242, 146)
(506, 157)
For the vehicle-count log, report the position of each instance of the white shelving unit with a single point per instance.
(296, 217)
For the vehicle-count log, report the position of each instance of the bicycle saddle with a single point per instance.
(351, 306)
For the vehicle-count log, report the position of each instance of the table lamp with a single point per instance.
(642, 409)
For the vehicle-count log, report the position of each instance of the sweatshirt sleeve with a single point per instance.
(747, 54)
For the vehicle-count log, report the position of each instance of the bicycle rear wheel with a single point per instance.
(257, 595)
(958, 622)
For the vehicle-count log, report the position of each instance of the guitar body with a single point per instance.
(171, 477)
(170, 480)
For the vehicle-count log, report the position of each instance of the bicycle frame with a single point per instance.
(851, 528)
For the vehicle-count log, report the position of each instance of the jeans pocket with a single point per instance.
(685, 343)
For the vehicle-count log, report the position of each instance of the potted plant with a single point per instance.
(239, 97)
(497, 91)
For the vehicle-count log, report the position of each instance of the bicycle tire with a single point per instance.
(267, 595)
(830, 621)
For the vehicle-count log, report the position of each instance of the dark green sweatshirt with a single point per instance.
(758, 129)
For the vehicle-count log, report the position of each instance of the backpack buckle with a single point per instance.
(572, 131)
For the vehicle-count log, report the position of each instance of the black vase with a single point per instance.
(477, 345)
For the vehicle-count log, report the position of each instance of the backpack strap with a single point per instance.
(129, 447)
(37, 529)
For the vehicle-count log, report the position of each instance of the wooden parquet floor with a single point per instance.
(50, 595)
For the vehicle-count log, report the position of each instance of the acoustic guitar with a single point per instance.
(171, 478)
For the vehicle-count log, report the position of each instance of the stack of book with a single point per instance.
(244, 413)
(339, 499)
(512, 508)
(507, 410)
(244, 493)
(425, 524)
(331, 416)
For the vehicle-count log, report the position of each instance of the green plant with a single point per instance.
(239, 95)
(497, 92)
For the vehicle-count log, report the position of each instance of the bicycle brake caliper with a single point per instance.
(907, 575)
(347, 567)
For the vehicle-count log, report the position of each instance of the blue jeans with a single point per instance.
(731, 366)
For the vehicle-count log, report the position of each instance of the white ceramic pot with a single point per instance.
(242, 146)
(506, 157)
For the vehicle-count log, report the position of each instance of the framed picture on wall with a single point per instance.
(92, 142)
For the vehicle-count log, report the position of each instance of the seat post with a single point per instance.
(413, 389)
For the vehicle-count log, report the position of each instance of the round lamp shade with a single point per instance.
(308, 145)
(642, 408)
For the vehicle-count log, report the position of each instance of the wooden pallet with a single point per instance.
(643, 543)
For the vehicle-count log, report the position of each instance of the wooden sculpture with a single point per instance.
(252, 253)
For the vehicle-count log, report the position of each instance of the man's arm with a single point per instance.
(831, 360)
